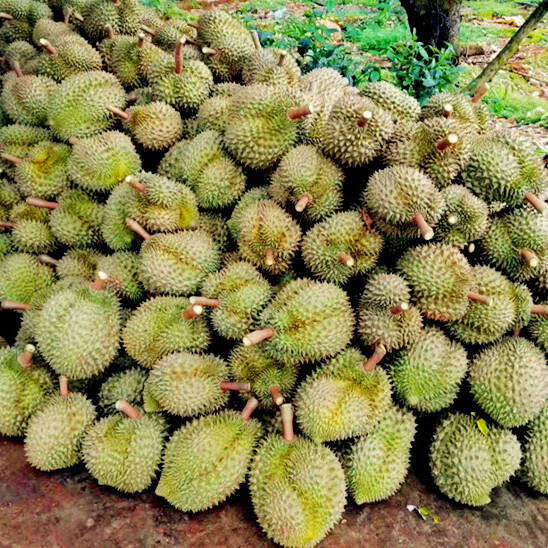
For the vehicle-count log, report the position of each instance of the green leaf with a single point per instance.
(482, 427)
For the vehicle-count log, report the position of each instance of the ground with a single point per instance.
(67, 509)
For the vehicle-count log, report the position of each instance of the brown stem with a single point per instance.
(270, 256)
(302, 203)
(125, 407)
(255, 38)
(38, 202)
(540, 309)
(99, 282)
(6, 224)
(148, 30)
(118, 112)
(376, 357)
(141, 39)
(116, 1)
(480, 92)
(281, 59)
(190, 40)
(529, 256)
(479, 298)
(446, 142)
(277, 396)
(365, 117)
(14, 305)
(237, 386)
(204, 301)
(424, 228)
(179, 55)
(16, 68)
(399, 308)
(250, 406)
(346, 259)
(138, 229)
(46, 259)
(10, 158)
(258, 336)
(447, 110)
(300, 112)
(192, 311)
(193, 25)
(209, 51)
(47, 47)
(110, 32)
(134, 182)
(516, 332)
(25, 359)
(367, 220)
(5, 16)
(536, 202)
(287, 422)
(63, 386)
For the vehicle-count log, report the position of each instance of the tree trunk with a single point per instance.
(511, 48)
(436, 22)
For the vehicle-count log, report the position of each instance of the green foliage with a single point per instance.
(167, 8)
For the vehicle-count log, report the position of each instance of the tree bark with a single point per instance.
(511, 48)
(436, 22)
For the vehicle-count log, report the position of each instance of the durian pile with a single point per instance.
(201, 244)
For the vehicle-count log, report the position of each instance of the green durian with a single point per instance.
(455, 106)
(30, 236)
(122, 16)
(22, 53)
(21, 276)
(216, 226)
(535, 462)
(170, 32)
(393, 100)
(77, 264)
(249, 198)
(125, 385)
(272, 67)
(122, 269)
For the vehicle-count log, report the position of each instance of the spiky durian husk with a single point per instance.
(393, 100)
(534, 468)
(29, 236)
(122, 269)
(273, 67)
(126, 385)
(21, 276)
(23, 53)
(250, 197)
(122, 16)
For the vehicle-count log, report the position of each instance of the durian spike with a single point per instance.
(258, 336)
(193, 25)
(38, 202)
(367, 220)
(16, 67)
(299, 112)
(447, 110)
(179, 55)
(110, 32)
(25, 359)
(148, 30)
(75, 15)
(99, 282)
(424, 228)
(63, 386)
(47, 47)
(14, 305)
(277, 396)
(138, 229)
(204, 301)
(372, 362)
(134, 182)
(480, 92)
(281, 59)
(46, 259)
(250, 406)
(125, 407)
(302, 203)
(540, 309)
(6, 224)
(516, 332)
(10, 158)
(364, 118)
(453, 219)
(446, 142)
(536, 202)
(478, 298)
(236, 386)
(346, 259)
(5, 16)
(118, 112)
(255, 38)
(192, 311)
(269, 256)
(529, 256)
(399, 308)
(209, 51)
(287, 422)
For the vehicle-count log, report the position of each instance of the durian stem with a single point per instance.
(47, 47)
(540, 309)
(138, 229)
(424, 228)
(472, 248)
(236, 386)
(99, 282)
(148, 30)
(193, 25)
(447, 110)
(6, 224)
(118, 112)
(250, 406)
(365, 117)
(125, 407)
(46, 259)
(134, 182)
(446, 142)
(190, 40)
(480, 92)
(478, 298)
(5, 16)
(179, 55)
(16, 68)
(300, 112)
(25, 359)
(38, 202)
(281, 59)
(14, 305)
(516, 332)
(376, 357)
(258, 336)
(529, 256)
(453, 219)
(209, 51)
(269, 256)
(10, 158)
(204, 301)
(192, 311)
(399, 308)
(367, 220)
(302, 203)
(287, 422)
(63, 386)
(346, 259)
(277, 396)
(536, 202)
(256, 41)
(110, 32)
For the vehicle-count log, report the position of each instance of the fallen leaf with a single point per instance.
(510, 20)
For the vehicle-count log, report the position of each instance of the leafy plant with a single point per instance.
(167, 8)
